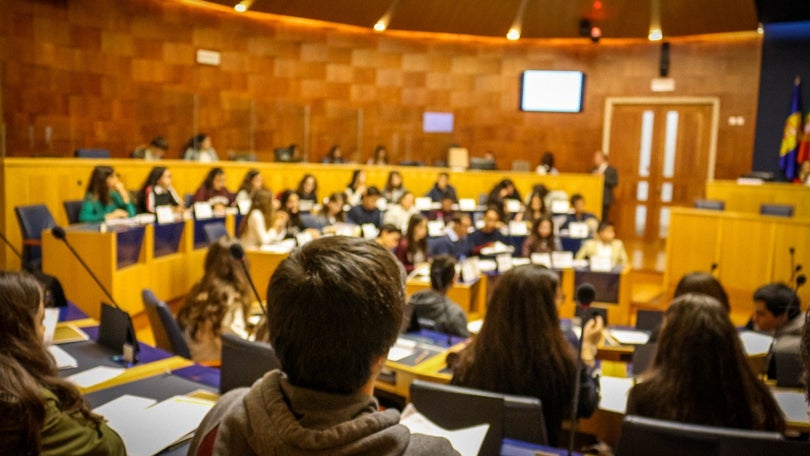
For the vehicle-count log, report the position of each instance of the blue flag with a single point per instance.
(790, 139)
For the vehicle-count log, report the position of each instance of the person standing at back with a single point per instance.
(332, 337)
(611, 176)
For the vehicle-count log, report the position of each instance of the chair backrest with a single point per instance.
(789, 369)
(92, 153)
(73, 208)
(643, 356)
(644, 436)
(214, 231)
(244, 362)
(779, 210)
(33, 220)
(648, 320)
(168, 335)
(453, 407)
(713, 205)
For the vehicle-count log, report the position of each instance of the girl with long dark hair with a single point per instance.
(106, 197)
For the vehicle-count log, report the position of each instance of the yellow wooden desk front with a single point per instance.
(750, 250)
(749, 198)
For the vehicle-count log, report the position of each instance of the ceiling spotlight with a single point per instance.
(760, 29)
(596, 34)
(382, 24)
(515, 30)
(655, 34)
(243, 6)
(514, 34)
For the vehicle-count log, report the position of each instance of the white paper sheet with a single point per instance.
(95, 375)
(119, 409)
(755, 343)
(169, 421)
(475, 326)
(466, 441)
(793, 406)
(629, 337)
(51, 318)
(62, 358)
(614, 393)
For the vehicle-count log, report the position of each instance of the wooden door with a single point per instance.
(663, 154)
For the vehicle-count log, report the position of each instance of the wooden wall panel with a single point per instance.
(94, 73)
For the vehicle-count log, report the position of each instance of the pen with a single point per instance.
(421, 356)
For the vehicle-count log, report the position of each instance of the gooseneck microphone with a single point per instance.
(238, 254)
(585, 296)
(59, 233)
(13, 249)
(793, 268)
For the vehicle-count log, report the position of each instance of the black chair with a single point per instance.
(214, 231)
(645, 436)
(168, 335)
(73, 208)
(778, 210)
(92, 153)
(643, 356)
(244, 362)
(712, 205)
(648, 320)
(33, 220)
(454, 407)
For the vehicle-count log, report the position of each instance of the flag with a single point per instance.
(804, 145)
(790, 138)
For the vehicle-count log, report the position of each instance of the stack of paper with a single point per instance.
(62, 358)
(629, 336)
(466, 441)
(755, 343)
(94, 376)
(169, 422)
(402, 349)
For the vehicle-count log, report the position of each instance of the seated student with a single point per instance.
(777, 311)
(445, 211)
(546, 165)
(412, 249)
(335, 155)
(700, 374)
(253, 180)
(433, 305)
(535, 208)
(699, 283)
(331, 212)
(106, 198)
(605, 244)
(40, 413)
(219, 303)
(394, 187)
(321, 401)
(400, 214)
(366, 211)
(442, 188)
(455, 242)
(290, 204)
(263, 224)
(199, 148)
(521, 349)
(380, 156)
(579, 214)
(213, 191)
(356, 188)
(308, 189)
(157, 191)
(389, 236)
(155, 150)
(503, 190)
(541, 239)
(489, 234)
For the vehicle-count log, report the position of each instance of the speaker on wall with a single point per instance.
(663, 66)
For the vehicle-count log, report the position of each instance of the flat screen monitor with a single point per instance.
(437, 122)
(552, 91)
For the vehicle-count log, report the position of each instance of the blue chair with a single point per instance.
(778, 210)
(244, 362)
(645, 436)
(33, 220)
(92, 153)
(168, 335)
(73, 208)
(215, 231)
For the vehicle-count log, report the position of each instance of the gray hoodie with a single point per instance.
(274, 417)
(447, 316)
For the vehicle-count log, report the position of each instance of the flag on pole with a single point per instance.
(790, 138)
(804, 144)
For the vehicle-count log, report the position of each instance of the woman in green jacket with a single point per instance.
(40, 413)
(106, 197)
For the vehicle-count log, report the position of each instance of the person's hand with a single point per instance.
(592, 335)
(280, 221)
(117, 214)
(119, 187)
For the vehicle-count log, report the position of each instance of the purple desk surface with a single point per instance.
(71, 312)
(201, 374)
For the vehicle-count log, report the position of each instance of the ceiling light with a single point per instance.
(243, 6)
(760, 29)
(382, 24)
(514, 34)
(514, 31)
(655, 34)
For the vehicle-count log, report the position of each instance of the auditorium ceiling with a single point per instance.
(541, 18)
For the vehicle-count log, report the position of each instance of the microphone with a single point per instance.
(13, 249)
(713, 268)
(793, 270)
(238, 254)
(59, 233)
(585, 295)
(801, 279)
